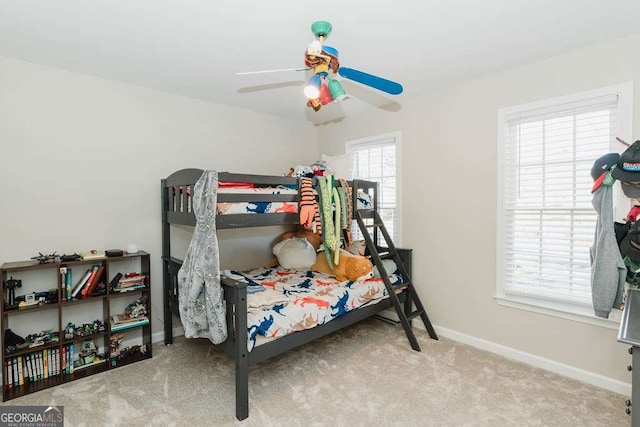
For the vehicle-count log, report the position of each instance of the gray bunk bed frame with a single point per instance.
(176, 210)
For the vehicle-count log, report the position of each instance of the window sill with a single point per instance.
(574, 314)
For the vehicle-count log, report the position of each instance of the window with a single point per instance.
(376, 159)
(546, 222)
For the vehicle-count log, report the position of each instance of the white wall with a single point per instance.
(82, 158)
(449, 200)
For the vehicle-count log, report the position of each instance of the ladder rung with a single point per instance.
(366, 213)
(401, 287)
(375, 224)
(415, 314)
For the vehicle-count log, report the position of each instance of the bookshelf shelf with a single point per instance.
(21, 352)
(124, 361)
(117, 294)
(48, 361)
(80, 338)
(83, 300)
(15, 311)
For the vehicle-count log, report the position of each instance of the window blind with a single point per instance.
(375, 160)
(548, 220)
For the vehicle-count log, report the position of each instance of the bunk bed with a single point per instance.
(176, 194)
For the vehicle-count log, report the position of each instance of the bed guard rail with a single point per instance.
(235, 298)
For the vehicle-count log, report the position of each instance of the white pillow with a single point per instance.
(295, 253)
(388, 264)
(341, 165)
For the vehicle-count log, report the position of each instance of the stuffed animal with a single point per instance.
(350, 267)
(295, 253)
(303, 233)
(296, 249)
(358, 247)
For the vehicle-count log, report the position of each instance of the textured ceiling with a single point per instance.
(195, 47)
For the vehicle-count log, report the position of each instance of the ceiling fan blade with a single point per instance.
(281, 70)
(376, 82)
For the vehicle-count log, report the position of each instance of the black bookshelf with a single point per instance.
(50, 277)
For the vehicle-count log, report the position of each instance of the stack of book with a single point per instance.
(128, 282)
(124, 321)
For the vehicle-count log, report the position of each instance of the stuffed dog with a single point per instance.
(350, 267)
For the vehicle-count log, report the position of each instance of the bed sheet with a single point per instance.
(227, 208)
(258, 190)
(281, 301)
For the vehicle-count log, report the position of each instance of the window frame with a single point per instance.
(566, 310)
(350, 147)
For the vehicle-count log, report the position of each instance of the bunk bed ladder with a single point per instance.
(389, 251)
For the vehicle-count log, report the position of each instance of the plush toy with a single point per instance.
(296, 249)
(295, 252)
(350, 267)
(358, 247)
(302, 233)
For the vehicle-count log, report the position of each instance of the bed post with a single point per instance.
(166, 254)
(241, 352)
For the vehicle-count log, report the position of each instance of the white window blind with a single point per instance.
(548, 221)
(375, 159)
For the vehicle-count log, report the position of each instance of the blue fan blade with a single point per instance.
(376, 82)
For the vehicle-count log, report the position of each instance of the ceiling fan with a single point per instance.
(322, 60)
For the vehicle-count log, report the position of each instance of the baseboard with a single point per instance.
(592, 378)
(159, 336)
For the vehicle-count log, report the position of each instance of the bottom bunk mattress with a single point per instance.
(282, 301)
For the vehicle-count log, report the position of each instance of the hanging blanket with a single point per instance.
(200, 296)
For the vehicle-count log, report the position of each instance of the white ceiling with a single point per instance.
(195, 47)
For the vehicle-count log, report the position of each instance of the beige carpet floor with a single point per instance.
(366, 375)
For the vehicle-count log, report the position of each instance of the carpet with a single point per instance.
(366, 375)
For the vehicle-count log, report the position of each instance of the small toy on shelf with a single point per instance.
(11, 285)
(99, 325)
(138, 308)
(45, 259)
(88, 352)
(116, 340)
(41, 338)
(69, 331)
(13, 341)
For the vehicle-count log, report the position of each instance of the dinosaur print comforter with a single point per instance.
(282, 301)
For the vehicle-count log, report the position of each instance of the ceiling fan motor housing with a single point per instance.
(321, 29)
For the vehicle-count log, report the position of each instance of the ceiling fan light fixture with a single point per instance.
(312, 89)
(325, 94)
(337, 91)
(315, 48)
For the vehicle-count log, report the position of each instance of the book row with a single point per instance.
(85, 286)
(39, 365)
